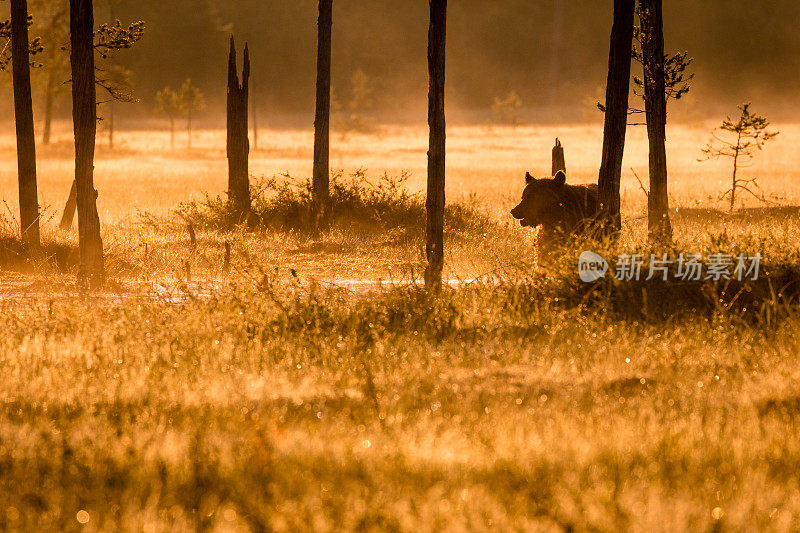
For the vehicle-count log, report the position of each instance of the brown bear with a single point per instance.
(560, 209)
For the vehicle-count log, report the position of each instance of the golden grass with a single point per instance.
(268, 398)
(490, 162)
(486, 166)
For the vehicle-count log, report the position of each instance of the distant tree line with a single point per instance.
(510, 41)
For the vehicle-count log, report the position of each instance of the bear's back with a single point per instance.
(583, 201)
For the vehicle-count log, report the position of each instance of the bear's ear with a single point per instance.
(560, 178)
(528, 177)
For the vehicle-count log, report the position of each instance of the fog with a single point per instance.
(553, 53)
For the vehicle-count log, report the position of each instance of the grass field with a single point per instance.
(293, 391)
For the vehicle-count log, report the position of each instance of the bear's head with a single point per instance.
(541, 200)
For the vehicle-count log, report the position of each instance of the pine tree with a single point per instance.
(168, 104)
(190, 102)
(747, 136)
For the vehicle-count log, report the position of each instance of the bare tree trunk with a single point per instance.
(434, 249)
(660, 228)
(557, 43)
(735, 179)
(559, 163)
(616, 122)
(111, 72)
(49, 97)
(109, 119)
(58, 13)
(111, 124)
(84, 115)
(23, 112)
(238, 142)
(69, 208)
(255, 120)
(189, 129)
(322, 122)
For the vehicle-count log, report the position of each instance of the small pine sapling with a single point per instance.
(505, 110)
(168, 104)
(191, 101)
(743, 139)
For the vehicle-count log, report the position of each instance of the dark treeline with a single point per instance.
(552, 53)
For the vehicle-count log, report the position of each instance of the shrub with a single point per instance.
(356, 205)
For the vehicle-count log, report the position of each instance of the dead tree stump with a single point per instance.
(238, 142)
(559, 162)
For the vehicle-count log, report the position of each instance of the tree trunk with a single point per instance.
(616, 121)
(111, 72)
(111, 124)
(238, 142)
(659, 226)
(189, 129)
(69, 208)
(255, 122)
(49, 97)
(23, 112)
(557, 45)
(735, 180)
(559, 163)
(84, 116)
(434, 249)
(172, 132)
(322, 122)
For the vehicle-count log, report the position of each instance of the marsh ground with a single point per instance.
(285, 395)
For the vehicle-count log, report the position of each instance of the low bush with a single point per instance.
(356, 205)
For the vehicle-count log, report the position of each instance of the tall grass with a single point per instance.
(269, 399)
(526, 401)
(272, 407)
